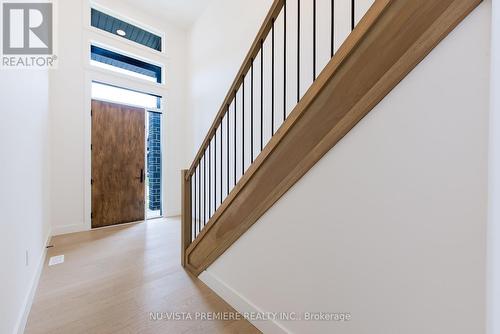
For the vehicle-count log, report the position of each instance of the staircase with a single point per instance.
(270, 130)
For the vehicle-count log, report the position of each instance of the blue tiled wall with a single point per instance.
(154, 161)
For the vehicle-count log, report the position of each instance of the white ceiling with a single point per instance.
(182, 12)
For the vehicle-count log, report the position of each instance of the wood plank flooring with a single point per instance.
(113, 278)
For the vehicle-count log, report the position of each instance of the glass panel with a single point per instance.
(121, 95)
(123, 64)
(153, 178)
(125, 30)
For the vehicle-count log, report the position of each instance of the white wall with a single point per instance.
(24, 190)
(391, 224)
(70, 108)
(67, 119)
(218, 43)
(493, 291)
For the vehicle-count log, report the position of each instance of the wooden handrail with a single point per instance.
(247, 63)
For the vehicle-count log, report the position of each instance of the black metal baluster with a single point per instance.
(251, 112)
(191, 205)
(204, 187)
(221, 162)
(243, 130)
(209, 180)
(353, 14)
(234, 183)
(199, 196)
(215, 170)
(227, 128)
(298, 51)
(332, 28)
(261, 94)
(314, 40)
(284, 61)
(194, 195)
(272, 77)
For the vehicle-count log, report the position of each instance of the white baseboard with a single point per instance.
(66, 229)
(240, 303)
(28, 301)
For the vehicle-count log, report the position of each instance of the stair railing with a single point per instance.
(253, 109)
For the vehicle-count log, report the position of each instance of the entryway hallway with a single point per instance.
(112, 279)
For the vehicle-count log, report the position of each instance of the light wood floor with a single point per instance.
(113, 278)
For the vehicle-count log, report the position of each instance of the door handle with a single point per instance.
(141, 176)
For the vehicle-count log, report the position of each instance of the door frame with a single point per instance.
(92, 73)
(125, 83)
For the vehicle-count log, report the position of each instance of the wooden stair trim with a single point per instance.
(432, 20)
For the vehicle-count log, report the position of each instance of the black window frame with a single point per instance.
(116, 59)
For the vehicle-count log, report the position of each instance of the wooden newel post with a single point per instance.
(186, 215)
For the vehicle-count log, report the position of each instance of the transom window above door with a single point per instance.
(124, 64)
(105, 92)
(125, 30)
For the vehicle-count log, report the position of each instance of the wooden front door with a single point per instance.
(118, 154)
